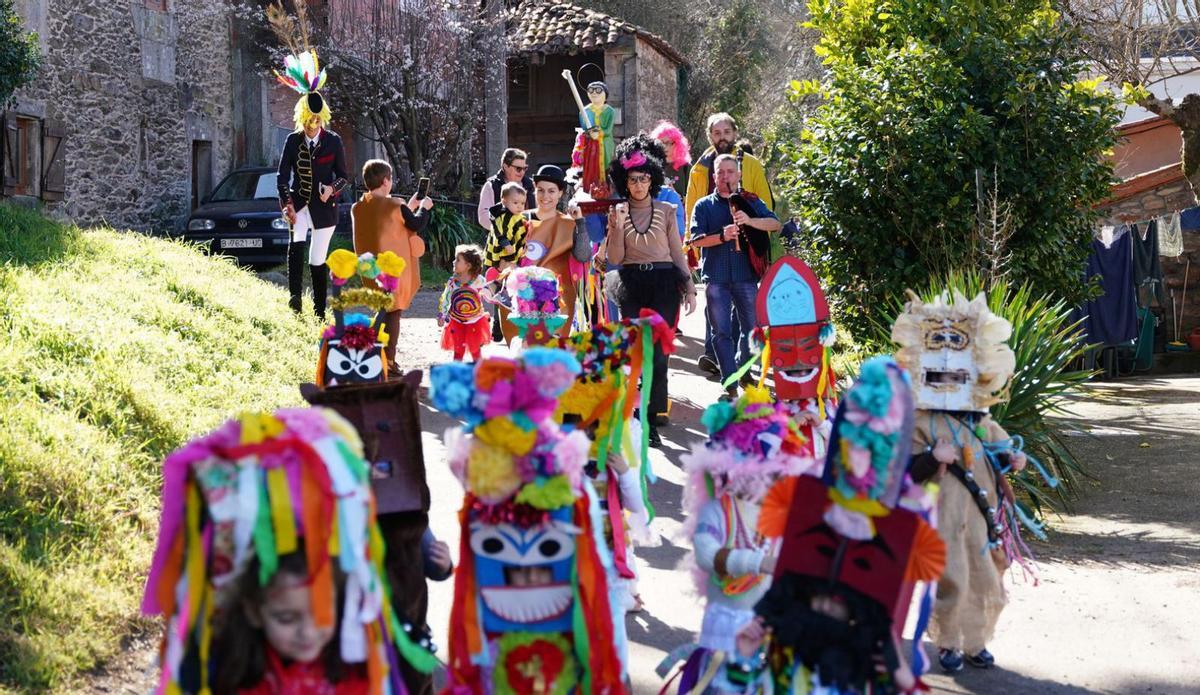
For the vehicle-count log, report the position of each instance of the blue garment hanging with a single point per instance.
(1111, 318)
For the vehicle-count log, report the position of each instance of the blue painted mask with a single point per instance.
(524, 574)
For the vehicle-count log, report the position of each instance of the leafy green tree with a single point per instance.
(19, 53)
(927, 106)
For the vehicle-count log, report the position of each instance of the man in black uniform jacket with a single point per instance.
(312, 172)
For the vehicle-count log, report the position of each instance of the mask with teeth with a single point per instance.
(524, 573)
(954, 350)
(792, 306)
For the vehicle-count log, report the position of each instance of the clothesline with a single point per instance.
(1168, 229)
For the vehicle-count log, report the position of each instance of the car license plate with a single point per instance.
(241, 243)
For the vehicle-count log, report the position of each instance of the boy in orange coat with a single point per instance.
(382, 223)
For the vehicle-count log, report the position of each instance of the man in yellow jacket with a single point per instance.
(722, 138)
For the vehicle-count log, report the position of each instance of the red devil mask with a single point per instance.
(874, 568)
(791, 304)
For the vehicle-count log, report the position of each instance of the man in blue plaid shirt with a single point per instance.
(725, 263)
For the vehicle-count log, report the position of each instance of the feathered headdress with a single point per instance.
(257, 487)
(302, 71)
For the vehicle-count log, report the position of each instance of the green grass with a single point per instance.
(115, 348)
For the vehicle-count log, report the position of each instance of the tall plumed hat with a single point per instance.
(263, 486)
(302, 71)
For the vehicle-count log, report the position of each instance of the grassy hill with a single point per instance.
(115, 348)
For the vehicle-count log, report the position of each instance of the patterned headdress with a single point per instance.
(264, 486)
(352, 348)
(528, 507)
(955, 352)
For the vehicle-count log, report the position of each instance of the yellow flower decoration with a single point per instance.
(757, 394)
(504, 433)
(259, 427)
(342, 263)
(549, 494)
(491, 474)
(390, 264)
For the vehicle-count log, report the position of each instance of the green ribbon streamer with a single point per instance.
(580, 627)
(644, 413)
(264, 534)
(733, 378)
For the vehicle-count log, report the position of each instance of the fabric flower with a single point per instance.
(551, 493)
(491, 473)
(452, 388)
(502, 432)
(391, 264)
(342, 264)
(552, 371)
(387, 283)
(359, 337)
(717, 416)
(367, 267)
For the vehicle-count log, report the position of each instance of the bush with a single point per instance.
(447, 229)
(923, 99)
(118, 348)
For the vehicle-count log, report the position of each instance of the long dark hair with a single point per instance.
(654, 156)
(239, 649)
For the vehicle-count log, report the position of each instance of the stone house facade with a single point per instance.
(546, 37)
(129, 119)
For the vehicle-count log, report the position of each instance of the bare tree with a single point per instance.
(1141, 44)
(408, 68)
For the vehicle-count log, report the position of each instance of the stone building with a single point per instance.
(129, 119)
(1150, 185)
(548, 36)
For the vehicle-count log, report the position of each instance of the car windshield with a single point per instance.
(246, 185)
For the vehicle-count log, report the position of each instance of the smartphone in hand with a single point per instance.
(422, 188)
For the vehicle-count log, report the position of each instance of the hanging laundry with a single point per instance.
(1170, 235)
(1147, 271)
(1111, 318)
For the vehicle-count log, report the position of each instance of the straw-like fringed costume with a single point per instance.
(955, 350)
(752, 444)
(854, 544)
(262, 487)
(531, 611)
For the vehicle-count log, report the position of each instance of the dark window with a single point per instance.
(22, 155)
(156, 5)
(201, 171)
(520, 91)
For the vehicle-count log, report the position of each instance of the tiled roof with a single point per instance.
(548, 26)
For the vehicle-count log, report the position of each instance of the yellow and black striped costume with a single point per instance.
(507, 230)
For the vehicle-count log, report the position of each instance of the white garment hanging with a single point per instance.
(1170, 236)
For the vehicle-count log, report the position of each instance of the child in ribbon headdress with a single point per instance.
(531, 603)
(268, 568)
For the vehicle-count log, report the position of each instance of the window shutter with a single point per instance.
(54, 170)
(8, 150)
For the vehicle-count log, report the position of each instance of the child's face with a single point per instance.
(461, 266)
(514, 203)
(287, 621)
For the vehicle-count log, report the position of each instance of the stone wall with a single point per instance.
(1168, 198)
(133, 88)
(658, 88)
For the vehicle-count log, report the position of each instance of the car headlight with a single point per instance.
(201, 225)
(279, 223)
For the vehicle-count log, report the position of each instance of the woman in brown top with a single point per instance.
(550, 240)
(643, 238)
(382, 223)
